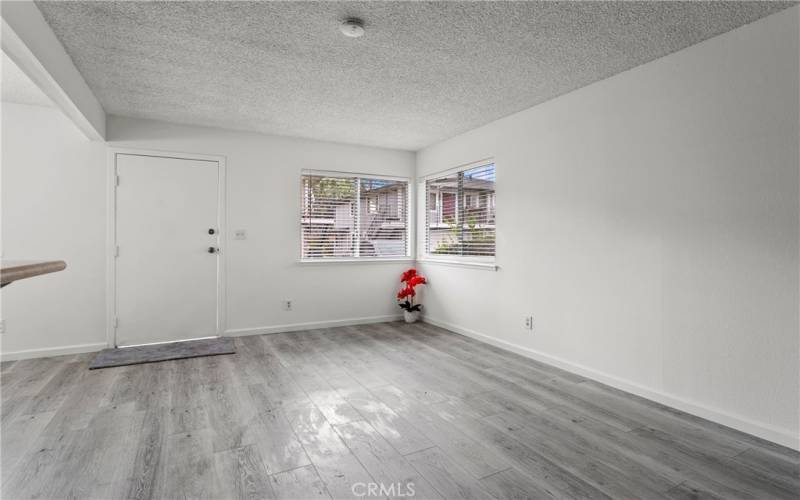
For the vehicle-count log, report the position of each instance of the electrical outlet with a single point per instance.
(240, 234)
(529, 322)
(287, 305)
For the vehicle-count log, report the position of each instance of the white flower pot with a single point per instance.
(411, 317)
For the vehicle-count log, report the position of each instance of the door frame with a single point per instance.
(111, 232)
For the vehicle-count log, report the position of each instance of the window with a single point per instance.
(349, 216)
(460, 214)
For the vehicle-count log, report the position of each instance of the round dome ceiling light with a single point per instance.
(352, 27)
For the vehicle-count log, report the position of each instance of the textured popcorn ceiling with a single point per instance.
(424, 71)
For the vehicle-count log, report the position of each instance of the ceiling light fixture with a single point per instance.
(352, 27)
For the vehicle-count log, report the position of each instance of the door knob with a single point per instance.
(211, 231)
(213, 250)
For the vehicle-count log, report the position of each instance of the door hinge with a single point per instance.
(116, 251)
(117, 181)
(116, 322)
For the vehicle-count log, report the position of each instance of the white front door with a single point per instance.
(166, 273)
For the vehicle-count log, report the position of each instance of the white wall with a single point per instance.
(53, 207)
(263, 177)
(649, 222)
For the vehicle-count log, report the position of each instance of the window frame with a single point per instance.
(357, 258)
(485, 262)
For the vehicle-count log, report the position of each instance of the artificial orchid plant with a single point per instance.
(410, 280)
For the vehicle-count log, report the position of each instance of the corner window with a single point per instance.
(460, 214)
(347, 216)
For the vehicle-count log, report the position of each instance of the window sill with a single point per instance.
(486, 266)
(364, 260)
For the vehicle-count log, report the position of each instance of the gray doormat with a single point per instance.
(122, 356)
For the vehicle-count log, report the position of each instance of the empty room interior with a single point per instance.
(400, 249)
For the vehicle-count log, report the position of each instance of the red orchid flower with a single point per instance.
(408, 275)
(406, 292)
(406, 295)
(416, 280)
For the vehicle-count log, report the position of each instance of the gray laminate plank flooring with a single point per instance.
(364, 411)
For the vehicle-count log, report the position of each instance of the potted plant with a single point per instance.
(410, 280)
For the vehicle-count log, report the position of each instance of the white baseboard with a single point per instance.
(776, 435)
(294, 327)
(52, 351)
(81, 348)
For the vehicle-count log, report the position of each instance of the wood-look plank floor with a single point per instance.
(340, 413)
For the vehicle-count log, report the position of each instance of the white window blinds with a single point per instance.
(460, 213)
(352, 216)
